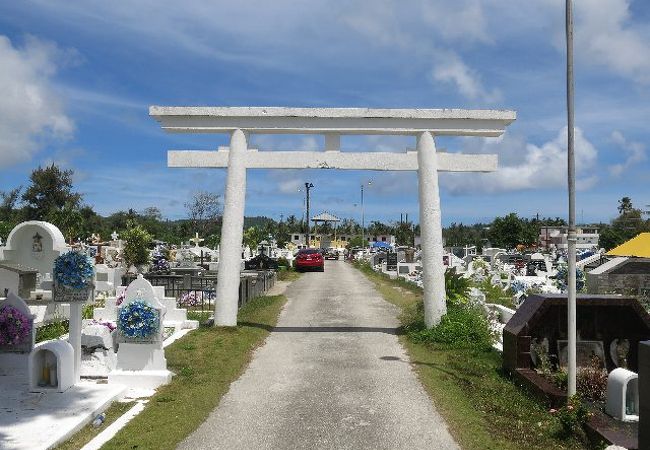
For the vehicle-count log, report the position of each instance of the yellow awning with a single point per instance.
(638, 247)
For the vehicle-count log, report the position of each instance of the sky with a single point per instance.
(77, 79)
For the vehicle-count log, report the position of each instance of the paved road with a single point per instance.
(332, 375)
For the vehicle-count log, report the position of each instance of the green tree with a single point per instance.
(50, 189)
(252, 237)
(69, 220)
(510, 231)
(625, 205)
(136, 245)
(404, 234)
(627, 225)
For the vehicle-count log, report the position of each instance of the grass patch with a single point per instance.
(53, 330)
(483, 408)
(289, 274)
(88, 432)
(201, 316)
(205, 362)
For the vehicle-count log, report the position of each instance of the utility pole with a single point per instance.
(363, 217)
(308, 186)
(571, 238)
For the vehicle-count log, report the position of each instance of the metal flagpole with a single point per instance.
(571, 238)
(308, 186)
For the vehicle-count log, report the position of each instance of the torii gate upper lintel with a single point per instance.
(425, 124)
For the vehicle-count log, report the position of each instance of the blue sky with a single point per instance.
(77, 79)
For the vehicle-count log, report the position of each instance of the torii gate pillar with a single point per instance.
(431, 230)
(232, 233)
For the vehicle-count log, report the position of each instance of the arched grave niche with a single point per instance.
(35, 244)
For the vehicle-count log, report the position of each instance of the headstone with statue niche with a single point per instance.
(141, 359)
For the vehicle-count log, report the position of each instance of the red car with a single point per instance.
(309, 258)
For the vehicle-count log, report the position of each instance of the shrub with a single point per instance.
(456, 286)
(463, 326)
(284, 262)
(572, 417)
(53, 330)
(592, 381)
(137, 239)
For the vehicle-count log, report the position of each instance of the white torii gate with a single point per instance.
(240, 122)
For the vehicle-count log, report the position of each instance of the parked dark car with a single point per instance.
(309, 258)
(331, 253)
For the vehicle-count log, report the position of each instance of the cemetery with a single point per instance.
(119, 303)
(119, 325)
(151, 299)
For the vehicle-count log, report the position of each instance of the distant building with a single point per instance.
(387, 238)
(553, 236)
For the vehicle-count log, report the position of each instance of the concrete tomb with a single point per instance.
(31, 247)
(141, 359)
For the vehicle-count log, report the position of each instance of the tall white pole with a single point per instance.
(74, 336)
(433, 272)
(363, 221)
(232, 233)
(571, 238)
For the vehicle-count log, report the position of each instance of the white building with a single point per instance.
(553, 236)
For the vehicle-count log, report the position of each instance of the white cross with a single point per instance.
(196, 240)
(114, 236)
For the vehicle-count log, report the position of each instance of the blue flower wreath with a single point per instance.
(138, 320)
(74, 270)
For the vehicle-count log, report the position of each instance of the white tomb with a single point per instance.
(623, 395)
(51, 367)
(141, 363)
(34, 244)
(175, 317)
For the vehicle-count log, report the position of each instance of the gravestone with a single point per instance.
(34, 244)
(391, 261)
(141, 359)
(174, 317)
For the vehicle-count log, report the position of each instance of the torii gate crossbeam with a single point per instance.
(424, 124)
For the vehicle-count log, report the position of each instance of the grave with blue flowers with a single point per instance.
(141, 359)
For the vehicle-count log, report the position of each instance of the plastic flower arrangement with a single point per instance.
(518, 286)
(110, 325)
(120, 298)
(15, 327)
(190, 299)
(159, 263)
(562, 278)
(138, 320)
(73, 270)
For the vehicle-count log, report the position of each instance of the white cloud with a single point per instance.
(543, 167)
(468, 82)
(634, 151)
(604, 34)
(31, 111)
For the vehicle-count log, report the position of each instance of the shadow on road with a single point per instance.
(394, 331)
